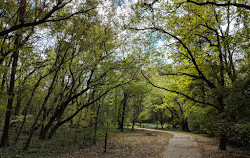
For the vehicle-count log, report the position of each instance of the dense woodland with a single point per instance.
(96, 64)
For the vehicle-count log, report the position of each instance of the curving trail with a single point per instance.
(180, 146)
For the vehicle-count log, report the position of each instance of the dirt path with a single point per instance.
(180, 146)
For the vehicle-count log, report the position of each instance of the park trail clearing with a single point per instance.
(180, 146)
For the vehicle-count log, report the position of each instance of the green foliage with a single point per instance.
(205, 122)
(239, 135)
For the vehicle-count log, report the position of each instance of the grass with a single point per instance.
(156, 132)
(148, 125)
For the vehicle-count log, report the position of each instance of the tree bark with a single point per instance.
(123, 111)
(133, 125)
(184, 124)
(162, 125)
(106, 141)
(18, 104)
(5, 135)
(223, 138)
(223, 141)
(41, 135)
(96, 119)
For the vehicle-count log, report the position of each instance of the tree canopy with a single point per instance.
(102, 63)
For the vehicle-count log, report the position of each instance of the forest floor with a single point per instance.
(153, 144)
(139, 144)
(129, 144)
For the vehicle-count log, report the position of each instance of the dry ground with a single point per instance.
(142, 144)
(209, 149)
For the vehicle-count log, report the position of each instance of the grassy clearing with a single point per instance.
(156, 132)
(164, 134)
(148, 125)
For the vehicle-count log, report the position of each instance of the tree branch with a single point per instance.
(203, 77)
(173, 91)
(44, 19)
(89, 103)
(221, 4)
(183, 73)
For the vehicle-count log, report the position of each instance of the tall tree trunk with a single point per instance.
(48, 126)
(106, 141)
(134, 117)
(123, 111)
(53, 131)
(223, 138)
(161, 119)
(96, 119)
(32, 130)
(77, 126)
(119, 115)
(133, 125)
(223, 141)
(172, 120)
(10, 92)
(184, 124)
(162, 124)
(43, 107)
(55, 127)
(4, 78)
(34, 126)
(41, 136)
(18, 104)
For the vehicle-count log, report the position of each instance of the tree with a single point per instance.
(17, 27)
(199, 42)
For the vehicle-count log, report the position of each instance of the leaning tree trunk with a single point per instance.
(5, 135)
(42, 124)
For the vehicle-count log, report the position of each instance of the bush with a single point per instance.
(239, 135)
